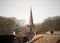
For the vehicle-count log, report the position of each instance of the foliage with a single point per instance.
(50, 24)
(9, 25)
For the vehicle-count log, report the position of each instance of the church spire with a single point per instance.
(31, 17)
(30, 26)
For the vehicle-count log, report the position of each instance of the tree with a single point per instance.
(50, 24)
(6, 26)
(9, 25)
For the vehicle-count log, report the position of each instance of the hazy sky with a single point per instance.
(20, 9)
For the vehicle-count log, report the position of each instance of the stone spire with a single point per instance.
(31, 25)
(31, 17)
(30, 32)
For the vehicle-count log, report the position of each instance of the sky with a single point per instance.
(20, 9)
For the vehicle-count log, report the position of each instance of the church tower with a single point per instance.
(31, 24)
(31, 17)
(30, 28)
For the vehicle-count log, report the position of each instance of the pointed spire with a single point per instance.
(31, 17)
